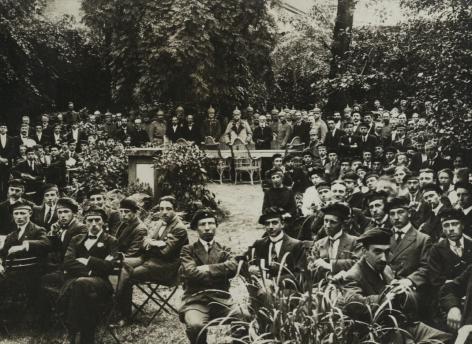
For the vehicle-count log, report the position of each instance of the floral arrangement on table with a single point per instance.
(182, 172)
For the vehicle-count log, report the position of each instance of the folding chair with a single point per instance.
(152, 292)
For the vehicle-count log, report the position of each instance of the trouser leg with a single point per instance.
(195, 321)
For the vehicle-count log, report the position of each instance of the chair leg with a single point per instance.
(251, 176)
(235, 177)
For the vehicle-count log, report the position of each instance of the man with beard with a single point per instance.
(87, 291)
(16, 190)
(237, 129)
(159, 261)
(174, 130)
(262, 134)
(207, 267)
(301, 129)
(371, 282)
(191, 132)
(211, 126)
(46, 214)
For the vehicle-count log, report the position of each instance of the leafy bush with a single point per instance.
(181, 171)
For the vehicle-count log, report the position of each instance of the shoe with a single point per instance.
(119, 323)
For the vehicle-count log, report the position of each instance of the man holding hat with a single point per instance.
(130, 231)
(371, 281)
(88, 263)
(46, 214)
(206, 270)
(16, 190)
(337, 251)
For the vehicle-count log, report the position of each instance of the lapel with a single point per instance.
(372, 278)
(285, 246)
(324, 248)
(214, 255)
(95, 247)
(200, 252)
(124, 229)
(169, 227)
(467, 249)
(407, 240)
(343, 246)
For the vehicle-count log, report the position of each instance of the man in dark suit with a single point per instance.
(376, 202)
(266, 255)
(207, 267)
(56, 171)
(401, 141)
(333, 136)
(40, 136)
(88, 263)
(371, 282)
(190, 131)
(7, 153)
(27, 241)
(139, 136)
(76, 134)
(46, 214)
(464, 194)
(16, 190)
(174, 130)
(160, 258)
(262, 135)
(367, 141)
(337, 251)
(279, 195)
(31, 173)
(130, 232)
(97, 197)
(432, 224)
(300, 129)
(433, 160)
(349, 143)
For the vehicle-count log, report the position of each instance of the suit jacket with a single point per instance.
(175, 237)
(211, 128)
(444, 264)
(138, 137)
(45, 140)
(369, 144)
(37, 173)
(39, 244)
(81, 135)
(38, 217)
(409, 259)
(60, 242)
(192, 134)
(302, 130)
(347, 254)
(350, 145)
(9, 151)
(98, 266)
(451, 294)
(56, 172)
(222, 267)
(402, 144)
(295, 260)
(264, 134)
(173, 135)
(130, 237)
(333, 137)
(432, 226)
(437, 164)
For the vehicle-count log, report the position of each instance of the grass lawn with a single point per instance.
(238, 231)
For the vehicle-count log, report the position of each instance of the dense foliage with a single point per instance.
(196, 52)
(182, 172)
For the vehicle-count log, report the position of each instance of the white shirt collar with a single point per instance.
(437, 209)
(22, 230)
(467, 210)
(384, 219)
(206, 244)
(337, 235)
(404, 229)
(453, 243)
(98, 235)
(277, 238)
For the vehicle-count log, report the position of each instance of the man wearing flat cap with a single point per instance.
(338, 250)
(376, 204)
(97, 198)
(432, 199)
(206, 270)
(16, 191)
(160, 256)
(88, 262)
(371, 282)
(130, 231)
(464, 195)
(46, 214)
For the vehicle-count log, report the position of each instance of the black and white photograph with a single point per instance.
(236, 171)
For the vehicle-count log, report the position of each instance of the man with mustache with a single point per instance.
(16, 190)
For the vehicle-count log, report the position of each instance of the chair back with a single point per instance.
(296, 144)
(22, 264)
(210, 144)
(182, 142)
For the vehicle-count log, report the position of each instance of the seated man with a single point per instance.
(337, 251)
(97, 198)
(371, 281)
(207, 267)
(277, 163)
(266, 255)
(130, 231)
(46, 214)
(88, 263)
(160, 261)
(432, 224)
(15, 194)
(279, 195)
(29, 243)
(376, 202)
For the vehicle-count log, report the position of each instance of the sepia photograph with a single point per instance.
(235, 171)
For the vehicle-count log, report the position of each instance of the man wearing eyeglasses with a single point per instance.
(88, 263)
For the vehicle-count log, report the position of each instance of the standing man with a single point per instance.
(191, 132)
(31, 173)
(207, 267)
(211, 126)
(88, 263)
(464, 195)
(16, 190)
(262, 134)
(7, 153)
(46, 214)
(237, 129)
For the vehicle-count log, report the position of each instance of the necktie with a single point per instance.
(273, 253)
(91, 237)
(48, 216)
(208, 247)
(399, 236)
(458, 248)
(331, 253)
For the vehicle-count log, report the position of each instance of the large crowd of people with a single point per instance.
(377, 202)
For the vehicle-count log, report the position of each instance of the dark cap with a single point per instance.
(446, 214)
(412, 176)
(200, 214)
(129, 203)
(270, 213)
(68, 203)
(337, 209)
(96, 191)
(275, 171)
(397, 202)
(22, 205)
(374, 196)
(391, 149)
(463, 185)
(431, 187)
(95, 211)
(50, 187)
(17, 183)
(374, 236)
(323, 185)
(350, 176)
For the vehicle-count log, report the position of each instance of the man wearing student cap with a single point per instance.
(206, 269)
(16, 191)
(434, 204)
(376, 204)
(371, 281)
(338, 250)
(279, 195)
(97, 197)
(88, 263)
(46, 214)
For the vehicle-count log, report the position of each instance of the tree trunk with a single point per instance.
(341, 42)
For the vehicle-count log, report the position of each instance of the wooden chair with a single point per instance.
(244, 162)
(210, 144)
(223, 165)
(296, 144)
(182, 142)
